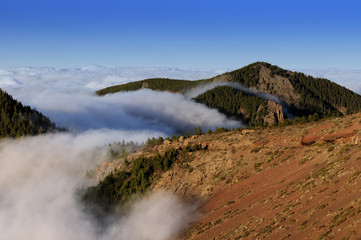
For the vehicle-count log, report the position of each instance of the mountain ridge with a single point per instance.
(304, 96)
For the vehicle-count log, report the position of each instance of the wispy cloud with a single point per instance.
(252, 91)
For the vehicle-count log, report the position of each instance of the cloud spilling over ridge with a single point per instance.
(71, 104)
(142, 110)
(266, 96)
(67, 97)
(203, 88)
(38, 178)
(39, 175)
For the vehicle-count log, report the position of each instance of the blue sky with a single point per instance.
(180, 33)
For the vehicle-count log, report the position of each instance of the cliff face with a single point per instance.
(277, 85)
(275, 113)
(292, 182)
(266, 82)
(224, 78)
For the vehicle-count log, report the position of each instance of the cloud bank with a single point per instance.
(39, 175)
(38, 178)
(94, 77)
(65, 96)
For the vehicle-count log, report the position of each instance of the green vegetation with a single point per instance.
(159, 84)
(17, 120)
(319, 95)
(247, 76)
(234, 102)
(337, 220)
(219, 130)
(122, 149)
(198, 131)
(314, 97)
(154, 141)
(119, 186)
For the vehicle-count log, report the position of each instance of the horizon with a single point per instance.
(96, 76)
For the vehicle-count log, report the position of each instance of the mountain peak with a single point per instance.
(301, 96)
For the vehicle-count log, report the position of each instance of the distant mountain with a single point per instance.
(290, 94)
(17, 120)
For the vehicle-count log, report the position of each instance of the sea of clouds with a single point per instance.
(39, 175)
(67, 97)
(39, 178)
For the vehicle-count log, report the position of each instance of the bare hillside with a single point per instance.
(293, 182)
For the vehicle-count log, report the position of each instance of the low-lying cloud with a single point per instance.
(72, 104)
(94, 77)
(38, 178)
(252, 91)
(39, 175)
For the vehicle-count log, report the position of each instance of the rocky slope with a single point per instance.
(293, 182)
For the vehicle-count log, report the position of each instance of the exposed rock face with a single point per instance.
(343, 110)
(145, 84)
(277, 85)
(243, 112)
(227, 77)
(275, 113)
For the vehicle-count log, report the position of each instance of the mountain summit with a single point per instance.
(261, 94)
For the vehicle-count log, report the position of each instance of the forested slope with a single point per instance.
(308, 94)
(159, 84)
(17, 120)
(232, 102)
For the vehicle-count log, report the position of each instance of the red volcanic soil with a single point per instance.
(293, 182)
(312, 190)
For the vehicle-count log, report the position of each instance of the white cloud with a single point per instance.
(96, 77)
(38, 175)
(38, 178)
(64, 95)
